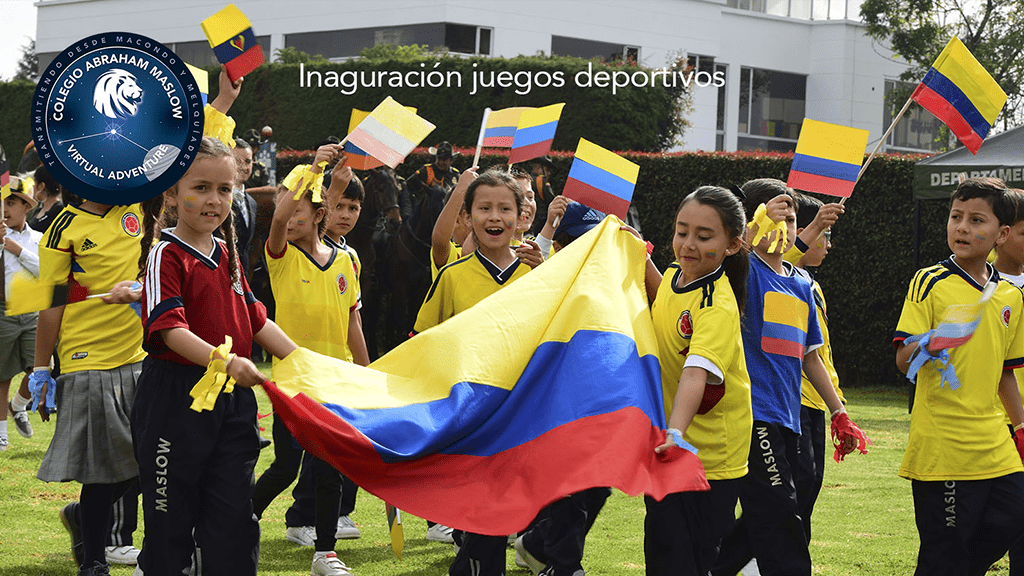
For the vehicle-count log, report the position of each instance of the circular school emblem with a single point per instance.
(130, 223)
(685, 326)
(117, 118)
(1006, 316)
(342, 283)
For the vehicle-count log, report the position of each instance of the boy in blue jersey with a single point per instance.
(781, 336)
(966, 473)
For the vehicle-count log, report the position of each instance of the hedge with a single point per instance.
(864, 278)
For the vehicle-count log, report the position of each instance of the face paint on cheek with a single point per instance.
(300, 222)
(711, 254)
(189, 202)
(980, 238)
(510, 223)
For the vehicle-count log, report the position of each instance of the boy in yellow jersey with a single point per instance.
(809, 470)
(967, 478)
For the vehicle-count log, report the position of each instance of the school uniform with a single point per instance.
(699, 325)
(458, 287)
(966, 474)
(315, 303)
(18, 333)
(779, 328)
(196, 468)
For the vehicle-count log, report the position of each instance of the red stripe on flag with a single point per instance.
(498, 141)
(473, 492)
(821, 184)
(524, 153)
(375, 147)
(5, 178)
(595, 198)
(362, 161)
(245, 63)
(950, 116)
(782, 347)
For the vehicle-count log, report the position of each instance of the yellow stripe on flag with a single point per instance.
(506, 117)
(202, 78)
(225, 25)
(401, 121)
(607, 160)
(960, 67)
(539, 116)
(832, 142)
(360, 115)
(785, 309)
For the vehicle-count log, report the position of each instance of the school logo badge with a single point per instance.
(342, 284)
(117, 118)
(130, 224)
(1006, 316)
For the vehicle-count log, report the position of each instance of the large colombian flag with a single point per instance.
(958, 91)
(233, 41)
(484, 419)
(828, 158)
(601, 179)
(501, 125)
(535, 132)
(390, 132)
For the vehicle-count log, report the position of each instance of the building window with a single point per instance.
(771, 109)
(802, 9)
(918, 128)
(587, 49)
(338, 44)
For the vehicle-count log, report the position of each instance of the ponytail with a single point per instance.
(736, 268)
(150, 225)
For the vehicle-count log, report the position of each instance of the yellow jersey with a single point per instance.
(462, 284)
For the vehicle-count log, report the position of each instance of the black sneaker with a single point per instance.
(97, 569)
(69, 518)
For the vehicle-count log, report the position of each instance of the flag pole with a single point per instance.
(480, 139)
(881, 141)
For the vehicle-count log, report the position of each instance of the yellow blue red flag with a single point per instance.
(389, 132)
(501, 127)
(535, 133)
(202, 80)
(828, 158)
(601, 179)
(230, 35)
(960, 92)
(486, 418)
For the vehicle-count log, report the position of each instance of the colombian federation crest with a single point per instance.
(117, 118)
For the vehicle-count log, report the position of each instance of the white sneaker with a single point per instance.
(526, 560)
(346, 529)
(138, 572)
(440, 533)
(20, 421)
(122, 555)
(301, 535)
(4, 443)
(329, 565)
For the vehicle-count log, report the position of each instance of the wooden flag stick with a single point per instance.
(480, 139)
(880, 143)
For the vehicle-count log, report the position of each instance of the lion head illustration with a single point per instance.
(117, 94)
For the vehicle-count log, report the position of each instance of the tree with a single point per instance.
(918, 30)
(28, 65)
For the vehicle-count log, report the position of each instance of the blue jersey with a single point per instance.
(779, 328)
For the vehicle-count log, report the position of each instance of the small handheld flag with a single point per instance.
(501, 127)
(535, 132)
(390, 132)
(828, 158)
(233, 41)
(30, 294)
(961, 93)
(5, 176)
(394, 516)
(601, 179)
(202, 81)
(358, 159)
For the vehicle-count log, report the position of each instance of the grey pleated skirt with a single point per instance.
(92, 441)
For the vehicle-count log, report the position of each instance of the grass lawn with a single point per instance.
(863, 522)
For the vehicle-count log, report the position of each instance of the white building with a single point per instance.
(782, 59)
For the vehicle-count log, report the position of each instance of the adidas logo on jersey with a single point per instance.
(88, 245)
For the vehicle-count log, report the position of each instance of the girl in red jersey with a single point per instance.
(196, 463)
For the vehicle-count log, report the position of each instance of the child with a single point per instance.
(809, 474)
(196, 467)
(450, 229)
(17, 333)
(529, 206)
(316, 289)
(780, 337)
(494, 203)
(48, 194)
(704, 376)
(967, 478)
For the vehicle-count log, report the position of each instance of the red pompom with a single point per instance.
(843, 428)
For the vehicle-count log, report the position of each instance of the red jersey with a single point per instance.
(187, 289)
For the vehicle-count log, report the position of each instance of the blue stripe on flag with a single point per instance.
(825, 167)
(945, 88)
(604, 366)
(500, 132)
(534, 134)
(225, 52)
(784, 332)
(601, 179)
(351, 148)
